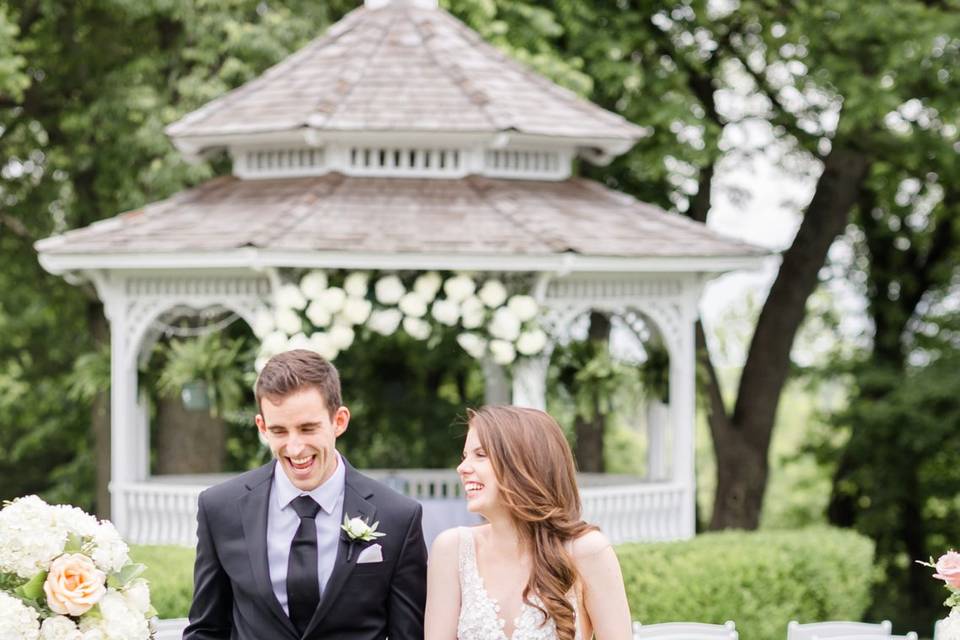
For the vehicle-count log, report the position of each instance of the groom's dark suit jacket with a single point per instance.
(233, 597)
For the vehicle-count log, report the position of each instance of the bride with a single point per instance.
(534, 570)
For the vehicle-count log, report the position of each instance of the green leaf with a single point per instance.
(32, 589)
(126, 575)
(74, 544)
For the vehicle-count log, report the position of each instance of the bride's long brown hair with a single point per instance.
(538, 486)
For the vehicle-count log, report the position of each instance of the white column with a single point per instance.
(683, 414)
(658, 424)
(123, 394)
(530, 382)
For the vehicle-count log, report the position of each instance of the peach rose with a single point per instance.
(74, 584)
(948, 569)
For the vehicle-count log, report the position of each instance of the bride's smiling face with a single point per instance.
(477, 476)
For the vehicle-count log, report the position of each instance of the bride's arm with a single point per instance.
(604, 596)
(443, 587)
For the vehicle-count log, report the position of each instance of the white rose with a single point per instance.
(385, 321)
(356, 284)
(531, 342)
(505, 325)
(474, 345)
(299, 341)
(493, 293)
(274, 343)
(341, 336)
(525, 307)
(137, 594)
(289, 321)
(472, 313)
(313, 284)
(427, 285)
(110, 553)
(356, 310)
(502, 351)
(446, 312)
(317, 314)
(459, 288)
(17, 620)
(332, 299)
(321, 343)
(290, 297)
(59, 628)
(413, 305)
(356, 527)
(416, 328)
(389, 290)
(263, 323)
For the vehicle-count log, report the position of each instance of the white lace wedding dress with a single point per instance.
(480, 614)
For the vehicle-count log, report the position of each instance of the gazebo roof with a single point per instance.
(496, 220)
(403, 67)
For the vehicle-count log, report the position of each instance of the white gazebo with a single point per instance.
(400, 140)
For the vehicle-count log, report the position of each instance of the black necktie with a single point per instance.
(303, 585)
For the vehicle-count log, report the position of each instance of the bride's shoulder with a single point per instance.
(447, 543)
(588, 545)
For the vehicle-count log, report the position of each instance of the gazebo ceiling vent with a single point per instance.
(400, 88)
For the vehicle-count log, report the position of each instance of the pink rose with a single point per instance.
(948, 569)
(74, 584)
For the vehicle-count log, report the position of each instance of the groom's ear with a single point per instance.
(341, 419)
(261, 425)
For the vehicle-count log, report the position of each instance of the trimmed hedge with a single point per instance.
(170, 573)
(760, 580)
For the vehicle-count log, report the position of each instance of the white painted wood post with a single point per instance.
(530, 382)
(683, 413)
(658, 424)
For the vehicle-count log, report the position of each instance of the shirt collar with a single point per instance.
(326, 495)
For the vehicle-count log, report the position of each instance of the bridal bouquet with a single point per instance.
(64, 575)
(948, 569)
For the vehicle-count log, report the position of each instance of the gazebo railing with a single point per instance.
(163, 509)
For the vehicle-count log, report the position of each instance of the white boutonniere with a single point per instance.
(357, 529)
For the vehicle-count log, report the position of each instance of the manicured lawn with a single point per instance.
(170, 572)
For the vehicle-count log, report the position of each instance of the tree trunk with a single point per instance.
(589, 431)
(100, 419)
(188, 441)
(742, 440)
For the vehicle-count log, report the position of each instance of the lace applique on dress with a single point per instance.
(480, 614)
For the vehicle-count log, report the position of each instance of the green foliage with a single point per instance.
(222, 363)
(760, 580)
(169, 570)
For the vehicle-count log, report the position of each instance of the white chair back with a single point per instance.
(685, 631)
(912, 635)
(837, 628)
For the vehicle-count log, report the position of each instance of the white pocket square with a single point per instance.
(373, 553)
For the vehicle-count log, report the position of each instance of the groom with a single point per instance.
(273, 560)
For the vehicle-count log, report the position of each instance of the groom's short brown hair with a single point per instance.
(290, 371)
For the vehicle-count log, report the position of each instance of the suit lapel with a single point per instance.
(253, 516)
(355, 503)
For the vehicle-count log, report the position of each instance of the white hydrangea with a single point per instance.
(427, 285)
(493, 293)
(274, 343)
(137, 594)
(313, 284)
(288, 321)
(356, 284)
(92, 628)
(321, 343)
(76, 520)
(31, 536)
(446, 312)
(459, 288)
(474, 345)
(416, 328)
(949, 627)
(317, 314)
(341, 336)
(110, 553)
(502, 351)
(332, 299)
(17, 620)
(356, 310)
(263, 324)
(260, 363)
(413, 305)
(385, 321)
(289, 296)
(472, 313)
(389, 290)
(531, 342)
(120, 620)
(525, 307)
(299, 341)
(505, 324)
(59, 628)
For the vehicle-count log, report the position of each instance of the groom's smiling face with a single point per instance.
(302, 433)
